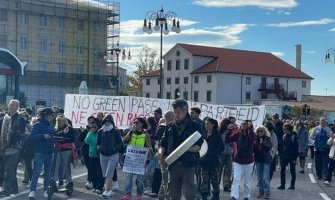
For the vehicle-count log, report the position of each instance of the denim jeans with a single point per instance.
(129, 183)
(41, 159)
(263, 174)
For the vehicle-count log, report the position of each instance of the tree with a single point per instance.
(23, 100)
(146, 62)
(296, 112)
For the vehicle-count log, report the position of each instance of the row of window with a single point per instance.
(186, 65)
(62, 44)
(43, 20)
(248, 82)
(185, 95)
(61, 70)
(177, 80)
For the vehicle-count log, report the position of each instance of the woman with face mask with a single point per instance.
(109, 144)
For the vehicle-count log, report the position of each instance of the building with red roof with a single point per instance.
(226, 76)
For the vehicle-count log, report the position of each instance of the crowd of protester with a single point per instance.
(234, 152)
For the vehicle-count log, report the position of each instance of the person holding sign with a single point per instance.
(182, 171)
(137, 137)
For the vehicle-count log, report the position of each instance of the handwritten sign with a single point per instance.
(125, 109)
(135, 160)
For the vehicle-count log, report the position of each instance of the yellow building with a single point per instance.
(63, 43)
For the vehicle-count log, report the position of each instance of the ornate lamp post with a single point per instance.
(113, 53)
(330, 51)
(159, 21)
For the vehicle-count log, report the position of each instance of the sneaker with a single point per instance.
(126, 197)
(88, 186)
(260, 195)
(4, 193)
(98, 191)
(153, 195)
(104, 195)
(28, 185)
(147, 192)
(267, 196)
(138, 197)
(31, 195)
(116, 185)
(94, 190)
(110, 193)
(326, 183)
(45, 194)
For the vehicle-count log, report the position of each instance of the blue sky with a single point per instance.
(259, 25)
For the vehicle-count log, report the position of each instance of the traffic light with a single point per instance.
(308, 111)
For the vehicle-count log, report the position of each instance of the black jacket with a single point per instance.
(175, 134)
(290, 146)
(109, 142)
(262, 149)
(215, 147)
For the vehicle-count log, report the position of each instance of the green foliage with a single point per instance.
(23, 100)
(146, 62)
(296, 112)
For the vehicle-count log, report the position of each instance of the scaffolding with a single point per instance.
(63, 41)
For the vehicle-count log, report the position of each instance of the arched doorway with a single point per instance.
(11, 68)
(177, 93)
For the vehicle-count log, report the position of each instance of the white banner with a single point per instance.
(135, 160)
(125, 109)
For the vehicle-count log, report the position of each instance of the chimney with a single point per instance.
(298, 56)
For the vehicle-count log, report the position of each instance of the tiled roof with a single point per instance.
(326, 103)
(153, 73)
(243, 62)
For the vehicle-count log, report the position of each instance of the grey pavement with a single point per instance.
(307, 188)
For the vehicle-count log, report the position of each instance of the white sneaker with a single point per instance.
(110, 193)
(326, 183)
(45, 194)
(147, 191)
(116, 185)
(104, 194)
(28, 185)
(31, 195)
(88, 186)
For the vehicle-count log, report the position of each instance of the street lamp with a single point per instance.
(113, 53)
(160, 20)
(330, 51)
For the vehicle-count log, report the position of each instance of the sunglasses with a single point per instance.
(136, 122)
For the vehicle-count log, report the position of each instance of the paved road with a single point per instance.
(307, 188)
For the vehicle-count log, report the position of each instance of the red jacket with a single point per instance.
(234, 137)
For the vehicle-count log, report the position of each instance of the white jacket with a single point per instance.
(331, 142)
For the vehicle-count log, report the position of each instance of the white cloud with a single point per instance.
(303, 23)
(310, 51)
(278, 53)
(282, 12)
(269, 4)
(220, 36)
(333, 30)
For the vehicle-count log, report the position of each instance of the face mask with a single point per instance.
(108, 128)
